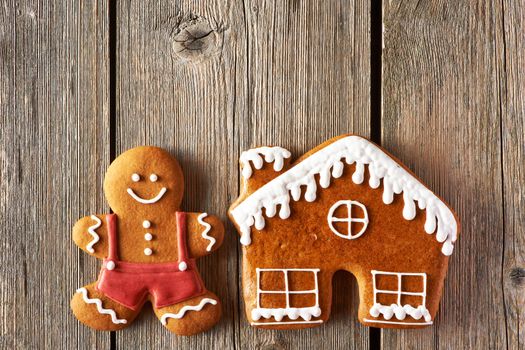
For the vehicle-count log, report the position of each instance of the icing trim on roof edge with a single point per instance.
(271, 154)
(328, 162)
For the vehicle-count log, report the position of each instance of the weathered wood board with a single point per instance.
(177, 67)
(442, 115)
(198, 72)
(54, 137)
(511, 43)
(308, 80)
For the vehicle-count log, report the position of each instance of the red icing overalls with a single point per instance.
(130, 283)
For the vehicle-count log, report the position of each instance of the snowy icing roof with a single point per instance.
(327, 163)
(271, 154)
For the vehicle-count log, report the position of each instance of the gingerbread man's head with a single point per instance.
(144, 179)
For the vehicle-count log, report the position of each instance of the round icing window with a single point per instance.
(348, 219)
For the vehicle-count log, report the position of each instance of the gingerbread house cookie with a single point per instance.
(345, 205)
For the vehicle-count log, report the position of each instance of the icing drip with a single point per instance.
(400, 312)
(206, 230)
(306, 313)
(271, 154)
(100, 309)
(91, 230)
(352, 149)
(182, 311)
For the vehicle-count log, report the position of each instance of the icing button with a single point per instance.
(148, 236)
(146, 224)
(148, 251)
(183, 266)
(110, 265)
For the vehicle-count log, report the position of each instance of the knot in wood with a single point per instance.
(196, 40)
(517, 276)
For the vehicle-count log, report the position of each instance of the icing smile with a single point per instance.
(147, 201)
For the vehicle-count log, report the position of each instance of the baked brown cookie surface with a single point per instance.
(345, 205)
(149, 249)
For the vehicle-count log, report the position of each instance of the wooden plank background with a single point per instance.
(441, 88)
(55, 143)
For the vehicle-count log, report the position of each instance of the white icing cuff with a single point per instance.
(328, 163)
(271, 154)
(184, 309)
(400, 312)
(207, 228)
(306, 313)
(91, 231)
(100, 309)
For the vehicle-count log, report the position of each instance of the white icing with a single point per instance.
(91, 230)
(148, 251)
(100, 309)
(183, 266)
(148, 236)
(146, 224)
(182, 311)
(306, 313)
(401, 323)
(206, 230)
(135, 177)
(110, 265)
(284, 322)
(351, 149)
(348, 203)
(255, 155)
(147, 201)
(153, 177)
(398, 310)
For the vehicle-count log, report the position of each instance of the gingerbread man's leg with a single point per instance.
(192, 316)
(97, 311)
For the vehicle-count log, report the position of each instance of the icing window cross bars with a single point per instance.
(398, 310)
(306, 313)
(349, 219)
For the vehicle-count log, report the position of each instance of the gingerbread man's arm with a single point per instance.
(205, 234)
(90, 234)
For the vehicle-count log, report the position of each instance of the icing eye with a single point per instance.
(135, 177)
(153, 177)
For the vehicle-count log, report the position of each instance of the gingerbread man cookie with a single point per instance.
(345, 205)
(149, 249)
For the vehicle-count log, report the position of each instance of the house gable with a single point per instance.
(327, 162)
